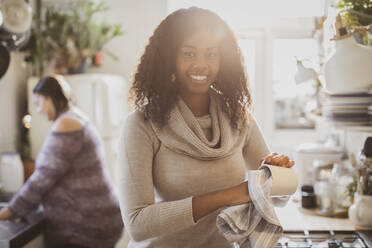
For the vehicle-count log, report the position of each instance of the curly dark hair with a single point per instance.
(152, 90)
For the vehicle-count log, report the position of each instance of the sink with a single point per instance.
(5, 197)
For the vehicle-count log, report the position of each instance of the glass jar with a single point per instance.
(324, 192)
(308, 197)
(341, 177)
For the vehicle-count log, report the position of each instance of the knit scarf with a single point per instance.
(183, 133)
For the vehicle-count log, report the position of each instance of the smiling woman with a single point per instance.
(195, 42)
(185, 150)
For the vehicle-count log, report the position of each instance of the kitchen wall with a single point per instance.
(139, 19)
(12, 103)
(355, 141)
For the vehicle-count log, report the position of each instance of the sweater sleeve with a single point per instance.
(143, 217)
(52, 163)
(255, 147)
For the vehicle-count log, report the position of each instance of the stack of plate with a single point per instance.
(349, 109)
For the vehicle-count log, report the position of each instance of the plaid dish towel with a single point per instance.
(254, 224)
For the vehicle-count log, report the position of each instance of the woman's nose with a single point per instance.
(200, 65)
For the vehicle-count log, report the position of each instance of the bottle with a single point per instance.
(308, 199)
(341, 177)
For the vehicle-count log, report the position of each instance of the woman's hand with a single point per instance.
(278, 160)
(5, 214)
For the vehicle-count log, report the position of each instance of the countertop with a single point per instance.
(19, 232)
(294, 218)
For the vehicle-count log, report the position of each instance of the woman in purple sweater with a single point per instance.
(70, 180)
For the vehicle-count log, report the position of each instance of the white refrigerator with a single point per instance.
(103, 98)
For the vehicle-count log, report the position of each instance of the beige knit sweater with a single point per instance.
(161, 169)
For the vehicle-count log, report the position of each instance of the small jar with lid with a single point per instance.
(308, 197)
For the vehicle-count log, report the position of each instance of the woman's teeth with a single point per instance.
(200, 78)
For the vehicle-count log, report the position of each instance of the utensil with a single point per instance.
(18, 41)
(1, 18)
(17, 16)
(4, 60)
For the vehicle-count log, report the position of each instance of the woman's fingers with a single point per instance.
(274, 160)
(290, 164)
(284, 160)
(278, 160)
(269, 158)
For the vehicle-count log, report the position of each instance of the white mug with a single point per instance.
(360, 213)
(284, 180)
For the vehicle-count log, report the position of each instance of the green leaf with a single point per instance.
(52, 32)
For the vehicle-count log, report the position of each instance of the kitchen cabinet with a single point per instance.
(37, 242)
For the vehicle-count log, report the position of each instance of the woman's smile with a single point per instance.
(200, 79)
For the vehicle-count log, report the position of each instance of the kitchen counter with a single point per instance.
(17, 233)
(294, 218)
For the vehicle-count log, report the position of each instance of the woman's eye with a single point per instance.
(212, 55)
(188, 54)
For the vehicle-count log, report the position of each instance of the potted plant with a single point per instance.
(357, 15)
(68, 41)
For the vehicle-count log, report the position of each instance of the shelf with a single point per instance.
(366, 129)
(352, 128)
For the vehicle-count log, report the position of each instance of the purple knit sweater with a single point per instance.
(72, 185)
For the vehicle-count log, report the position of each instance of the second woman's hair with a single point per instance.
(49, 87)
(153, 91)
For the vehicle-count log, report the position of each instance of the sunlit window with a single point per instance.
(270, 40)
(248, 50)
(292, 102)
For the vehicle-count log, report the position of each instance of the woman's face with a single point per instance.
(197, 63)
(44, 105)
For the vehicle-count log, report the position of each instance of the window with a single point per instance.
(280, 104)
(248, 49)
(291, 101)
(270, 38)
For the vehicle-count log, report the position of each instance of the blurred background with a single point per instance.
(308, 64)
